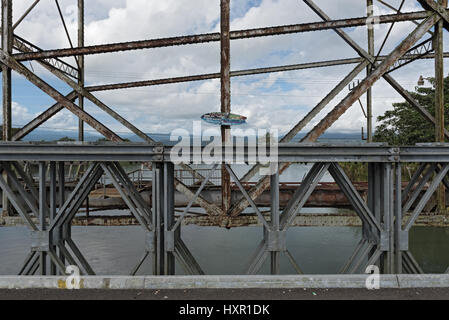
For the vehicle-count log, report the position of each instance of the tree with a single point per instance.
(66, 139)
(404, 125)
(107, 140)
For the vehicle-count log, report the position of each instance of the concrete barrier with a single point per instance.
(225, 282)
(201, 282)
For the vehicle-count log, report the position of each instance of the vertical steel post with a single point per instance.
(387, 214)
(375, 199)
(42, 214)
(274, 188)
(7, 42)
(369, 93)
(53, 209)
(398, 219)
(439, 99)
(158, 217)
(366, 230)
(81, 65)
(7, 37)
(169, 215)
(61, 199)
(225, 96)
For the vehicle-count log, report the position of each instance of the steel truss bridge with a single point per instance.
(385, 231)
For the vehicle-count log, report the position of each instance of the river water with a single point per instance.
(317, 250)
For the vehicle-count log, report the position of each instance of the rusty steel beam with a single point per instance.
(7, 41)
(50, 112)
(210, 208)
(82, 92)
(264, 183)
(23, 45)
(312, 113)
(438, 8)
(81, 114)
(438, 45)
(393, 83)
(52, 92)
(215, 37)
(399, 11)
(242, 73)
(80, 61)
(355, 94)
(61, 16)
(369, 93)
(25, 14)
(43, 117)
(7, 47)
(225, 79)
(85, 93)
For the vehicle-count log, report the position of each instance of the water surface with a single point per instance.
(317, 250)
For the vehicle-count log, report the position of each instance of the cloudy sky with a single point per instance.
(277, 100)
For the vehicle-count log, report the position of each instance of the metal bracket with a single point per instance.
(276, 241)
(171, 237)
(150, 238)
(403, 240)
(384, 241)
(40, 241)
(160, 153)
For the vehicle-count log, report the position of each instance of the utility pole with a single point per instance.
(439, 98)
(81, 65)
(7, 36)
(369, 69)
(225, 96)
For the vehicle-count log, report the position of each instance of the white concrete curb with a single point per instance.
(226, 282)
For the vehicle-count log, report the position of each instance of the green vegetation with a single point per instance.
(67, 139)
(106, 140)
(404, 125)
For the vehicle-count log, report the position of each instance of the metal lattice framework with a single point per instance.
(386, 216)
(378, 215)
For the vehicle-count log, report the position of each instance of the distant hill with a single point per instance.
(53, 135)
